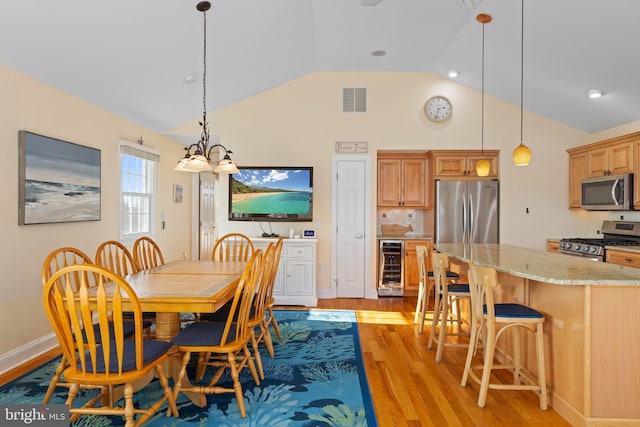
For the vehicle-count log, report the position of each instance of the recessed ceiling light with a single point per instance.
(379, 53)
(594, 93)
(370, 2)
(453, 73)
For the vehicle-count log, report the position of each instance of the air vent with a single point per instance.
(354, 100)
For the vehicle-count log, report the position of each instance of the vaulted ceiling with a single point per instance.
(132, 57)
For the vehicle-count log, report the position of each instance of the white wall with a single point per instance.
(27, 104)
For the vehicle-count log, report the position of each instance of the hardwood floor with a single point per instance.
(408, 387)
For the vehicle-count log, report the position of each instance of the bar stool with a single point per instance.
(485, 315)
(446, 296)
(425, 285)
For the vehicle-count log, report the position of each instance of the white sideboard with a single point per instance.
(296, 279)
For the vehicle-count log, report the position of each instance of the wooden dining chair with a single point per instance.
(101, 355)
(229, 340)
(270, 318)
(232, 247)
(257, 318)
(55, 261)
(484, 322)
(115, 257)
(447, 295)
(147, 253)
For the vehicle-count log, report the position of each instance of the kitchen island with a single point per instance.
(592, 310)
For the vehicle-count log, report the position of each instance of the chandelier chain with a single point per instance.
(204, 67)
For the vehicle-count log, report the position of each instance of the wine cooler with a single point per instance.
(391, 268)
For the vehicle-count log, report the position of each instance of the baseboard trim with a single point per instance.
(20, 355)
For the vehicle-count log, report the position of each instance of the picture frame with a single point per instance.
(59, 181)
(178, 192)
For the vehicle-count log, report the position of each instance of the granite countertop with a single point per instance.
(549, 267)
(407, 236)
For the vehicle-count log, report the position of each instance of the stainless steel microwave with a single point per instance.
(608, 193)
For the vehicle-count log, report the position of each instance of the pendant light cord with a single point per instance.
(521, 70)
(482, 109)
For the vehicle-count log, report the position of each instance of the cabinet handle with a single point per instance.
(629, 260)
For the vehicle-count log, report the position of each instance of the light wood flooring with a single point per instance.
(408, 387)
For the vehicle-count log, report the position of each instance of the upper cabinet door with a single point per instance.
(389, 182)
(402, 181)
(612, 159)
(414, 181)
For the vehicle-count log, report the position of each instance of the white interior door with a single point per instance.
(351, 225)
(208, 232)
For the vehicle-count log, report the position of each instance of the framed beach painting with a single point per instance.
(59, 181)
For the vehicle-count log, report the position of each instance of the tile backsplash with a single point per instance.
(402, 217)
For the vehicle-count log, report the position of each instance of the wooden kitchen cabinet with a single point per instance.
(610, 159)
(619, 155)
(577, 172)
(411, 273)
(402, 180)
(636, 175)
(628, 259)
(461, 164)
(553, 246)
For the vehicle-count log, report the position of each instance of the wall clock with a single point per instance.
(438, 109)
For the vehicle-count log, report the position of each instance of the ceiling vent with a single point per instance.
(354, 100)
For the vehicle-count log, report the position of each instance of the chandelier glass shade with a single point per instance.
(198, 156)
(521, 155)
(483, 167)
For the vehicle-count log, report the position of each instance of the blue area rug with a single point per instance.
(316, 378)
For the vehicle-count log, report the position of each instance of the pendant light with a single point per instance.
(199, 160)
(522, 153)
(483, 167)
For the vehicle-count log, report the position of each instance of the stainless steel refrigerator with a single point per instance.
(467, 212)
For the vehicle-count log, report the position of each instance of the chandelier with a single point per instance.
(198, 156)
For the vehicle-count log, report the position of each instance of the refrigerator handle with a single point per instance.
(464, 218)
(471, 221)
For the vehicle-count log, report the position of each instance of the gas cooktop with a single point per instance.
(615, 233)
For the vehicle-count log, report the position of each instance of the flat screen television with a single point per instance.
(267, 193)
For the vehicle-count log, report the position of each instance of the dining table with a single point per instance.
(191, 286)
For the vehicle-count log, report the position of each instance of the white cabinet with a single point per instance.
(296, 279)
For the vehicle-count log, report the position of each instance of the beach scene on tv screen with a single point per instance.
(271, 191)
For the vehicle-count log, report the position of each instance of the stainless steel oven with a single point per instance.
(614, 233)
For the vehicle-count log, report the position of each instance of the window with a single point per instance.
(138, 199)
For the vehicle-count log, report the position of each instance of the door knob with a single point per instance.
(358, 236)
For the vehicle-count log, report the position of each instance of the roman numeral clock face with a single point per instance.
(438, 109)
